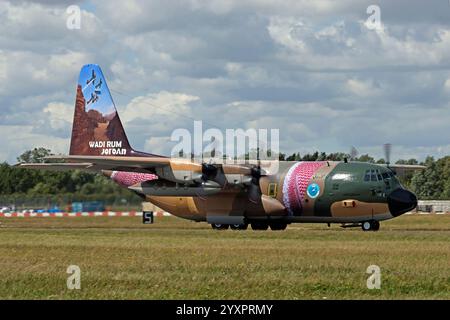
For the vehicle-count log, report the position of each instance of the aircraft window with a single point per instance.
(388, 185)
(391, 174)
(379, 177)
(367, 176)
(385, 175)
(373, 177)
(272, 190)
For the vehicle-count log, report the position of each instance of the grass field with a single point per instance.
(176, 259)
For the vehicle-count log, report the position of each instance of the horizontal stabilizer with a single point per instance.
(57, 166)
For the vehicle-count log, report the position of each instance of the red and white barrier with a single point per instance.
(78, 214)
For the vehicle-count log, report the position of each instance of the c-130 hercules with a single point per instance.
(229, 195)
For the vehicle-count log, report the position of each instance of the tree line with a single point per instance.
(36, 188)
(20, 185)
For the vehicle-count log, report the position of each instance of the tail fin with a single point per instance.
(97, 129)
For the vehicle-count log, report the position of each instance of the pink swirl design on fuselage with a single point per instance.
(128, 179)
(295, 184)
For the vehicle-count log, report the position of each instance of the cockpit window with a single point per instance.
(378, 175)
(375, 175)
(367, 176)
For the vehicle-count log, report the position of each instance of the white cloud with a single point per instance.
(362, 88)
(351, 45)
(158, 145)
(22, 138)
(156, 105)
(28, 73)
(60, 115)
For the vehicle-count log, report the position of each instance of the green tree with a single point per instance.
(427, 184)
(409, 162)
(366, 158)
(21, 184)
(36, 155)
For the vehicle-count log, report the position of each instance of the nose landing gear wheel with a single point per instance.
(219, 226)
(372, 225)
(243, 226)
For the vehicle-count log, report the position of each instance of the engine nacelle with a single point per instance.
(169, 188)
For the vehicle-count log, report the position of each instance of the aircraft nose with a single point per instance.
(401, 201)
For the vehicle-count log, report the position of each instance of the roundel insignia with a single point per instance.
(313, 190)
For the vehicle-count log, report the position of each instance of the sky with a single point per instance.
(316, 70)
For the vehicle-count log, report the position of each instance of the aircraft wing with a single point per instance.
(98, 163)
(57, 166)
(135, 164)
(175, 170)
(402, 169)
(407, 167)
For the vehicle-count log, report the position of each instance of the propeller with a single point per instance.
(213, 145)
(387, 153)
(353, 153)
(212, 172)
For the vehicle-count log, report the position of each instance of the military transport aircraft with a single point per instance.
(230, 195)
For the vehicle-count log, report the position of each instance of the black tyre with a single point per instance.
(375, 225)
(260, 225)
(275, 226)
(242, 226)
(219, 226)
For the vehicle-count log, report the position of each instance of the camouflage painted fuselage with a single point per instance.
(322, 191)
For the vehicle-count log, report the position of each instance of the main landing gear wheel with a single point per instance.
(375, 225)
(275, 226)
(242, 226)
(372, 225)
(220, 226)
(259, 225)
